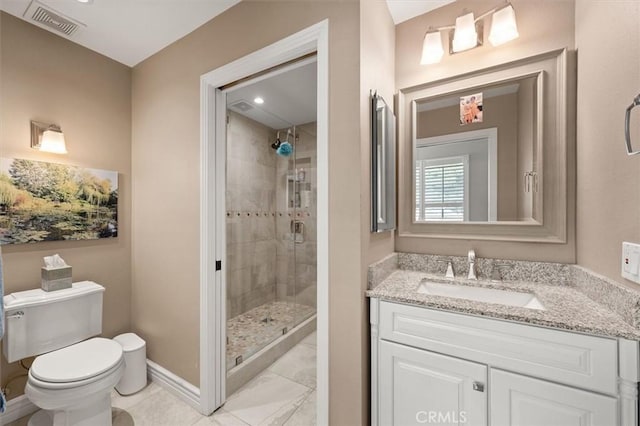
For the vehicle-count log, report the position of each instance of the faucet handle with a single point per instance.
(449, 273)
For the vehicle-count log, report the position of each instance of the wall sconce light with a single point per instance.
(468, 31)
(47, 138)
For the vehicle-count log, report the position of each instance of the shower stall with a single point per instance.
(271, 234)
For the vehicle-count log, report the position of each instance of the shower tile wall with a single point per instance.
(296, 270)
(251, 228)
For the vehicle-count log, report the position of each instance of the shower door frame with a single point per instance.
(212, 209)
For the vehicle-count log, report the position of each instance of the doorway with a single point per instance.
(214, 213)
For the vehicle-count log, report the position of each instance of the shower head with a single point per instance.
(277, 143)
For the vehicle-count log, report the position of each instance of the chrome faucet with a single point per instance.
(472, 265)
(449, 268)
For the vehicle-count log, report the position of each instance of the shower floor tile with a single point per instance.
(249, 332)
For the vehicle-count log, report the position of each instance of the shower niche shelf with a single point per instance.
(298, 185)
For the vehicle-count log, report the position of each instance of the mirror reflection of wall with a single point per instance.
(500, 151)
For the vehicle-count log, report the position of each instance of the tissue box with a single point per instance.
(56, 279)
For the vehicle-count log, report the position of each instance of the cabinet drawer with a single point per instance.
(575, 359)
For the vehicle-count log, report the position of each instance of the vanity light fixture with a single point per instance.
(47, 138)
(503, 26)
(432, 50)
(467, 33)
(465, 36)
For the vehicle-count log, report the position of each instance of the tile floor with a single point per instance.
(248, 333)
(282, 395)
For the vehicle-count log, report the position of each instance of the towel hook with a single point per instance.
(627, 120)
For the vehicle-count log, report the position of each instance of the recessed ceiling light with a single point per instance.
(258, 100)
(85, 1)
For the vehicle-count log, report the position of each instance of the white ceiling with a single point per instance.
(128, 31)
(289, 97)
(403, 10)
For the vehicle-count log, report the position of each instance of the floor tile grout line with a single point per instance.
(237, 418)
(298, 407)
(289, 378)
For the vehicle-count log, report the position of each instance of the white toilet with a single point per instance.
(72, 378)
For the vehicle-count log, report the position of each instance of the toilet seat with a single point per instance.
(76, 365)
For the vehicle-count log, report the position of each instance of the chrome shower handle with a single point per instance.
(627, 122)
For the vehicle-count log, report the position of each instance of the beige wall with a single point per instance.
(608, 198)
(377, 72)
(377, 62)
(47, 78)
(165, 154)
(543, 26)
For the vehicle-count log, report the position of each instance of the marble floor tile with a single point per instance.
(220, 418)
(263, 397)
(125, 402)
(311, 339)
(276, 397)
(281, 416)
(162, 409)
(121, 417)
(305, 415)
(299, 365)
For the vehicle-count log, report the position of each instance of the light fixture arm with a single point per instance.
(479, 18)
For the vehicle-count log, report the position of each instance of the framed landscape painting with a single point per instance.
(49, 202)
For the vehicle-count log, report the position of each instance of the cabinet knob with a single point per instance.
(478, 386)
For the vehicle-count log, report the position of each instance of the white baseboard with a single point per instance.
(17, 408)
(174, 384)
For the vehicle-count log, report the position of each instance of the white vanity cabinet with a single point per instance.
(436, 367)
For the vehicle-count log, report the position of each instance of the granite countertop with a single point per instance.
(566, 307)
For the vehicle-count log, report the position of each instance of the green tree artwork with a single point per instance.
(47, 202)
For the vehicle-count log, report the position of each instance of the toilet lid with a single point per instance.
(77, 362)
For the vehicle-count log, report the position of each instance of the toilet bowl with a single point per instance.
(73, 385)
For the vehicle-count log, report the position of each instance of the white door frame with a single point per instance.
(212, 210)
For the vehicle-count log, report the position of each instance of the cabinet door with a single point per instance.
(522, 401)
(418, 387)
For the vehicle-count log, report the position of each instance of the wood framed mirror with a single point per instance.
(484, 155)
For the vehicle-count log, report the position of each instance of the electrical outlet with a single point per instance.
(631, 261)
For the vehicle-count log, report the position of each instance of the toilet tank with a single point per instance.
(37, 321)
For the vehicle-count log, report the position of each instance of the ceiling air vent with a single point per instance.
(242, 106)
(49, 18)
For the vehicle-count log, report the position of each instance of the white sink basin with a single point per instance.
(481, 294)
